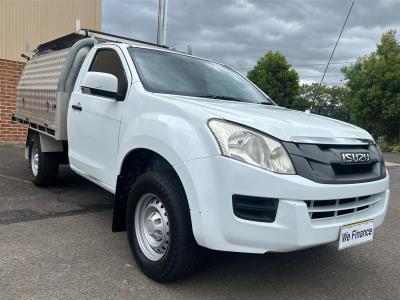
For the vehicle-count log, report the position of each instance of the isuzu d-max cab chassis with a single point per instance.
(196, 155)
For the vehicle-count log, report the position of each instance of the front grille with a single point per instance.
(321, 209)
(324, 163)
(340, 169)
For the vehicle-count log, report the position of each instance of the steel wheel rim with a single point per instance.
(152, 227)
(35, 160)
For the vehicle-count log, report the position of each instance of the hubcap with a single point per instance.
(152, 226)
(35, 160)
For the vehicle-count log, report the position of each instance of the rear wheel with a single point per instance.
(159, 228)
(43, 165)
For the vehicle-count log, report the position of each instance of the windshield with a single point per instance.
(173, 73)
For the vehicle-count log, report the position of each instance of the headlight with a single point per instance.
(250, 146)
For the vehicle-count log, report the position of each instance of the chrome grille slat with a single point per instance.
(336, 208)
(324, 209)
(357, 201)
(339, 207)
(311, 206)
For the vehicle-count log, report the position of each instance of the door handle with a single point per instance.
(77, 106)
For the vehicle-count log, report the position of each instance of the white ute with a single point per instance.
(195, 154)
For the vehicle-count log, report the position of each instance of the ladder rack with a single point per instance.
(70, 39)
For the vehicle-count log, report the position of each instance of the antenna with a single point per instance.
(330, 58)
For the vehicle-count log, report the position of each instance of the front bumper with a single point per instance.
(210, 183)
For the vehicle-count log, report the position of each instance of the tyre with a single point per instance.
(159, 228)
(43, 165)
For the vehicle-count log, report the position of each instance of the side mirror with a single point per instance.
(101, 84)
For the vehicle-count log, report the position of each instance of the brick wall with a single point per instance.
(10, 72)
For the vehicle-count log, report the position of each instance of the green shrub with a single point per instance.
(385, 147)
(374, 88)
(392, 145)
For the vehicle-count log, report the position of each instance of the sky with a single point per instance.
(239, 32)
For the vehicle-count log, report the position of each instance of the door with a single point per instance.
(94, 121)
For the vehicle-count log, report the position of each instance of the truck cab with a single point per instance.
(95, 116)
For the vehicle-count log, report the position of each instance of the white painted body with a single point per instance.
(105, 131)
(102, 81)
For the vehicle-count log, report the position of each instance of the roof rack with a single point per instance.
(68, 40)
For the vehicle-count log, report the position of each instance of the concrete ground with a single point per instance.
(392, 157)
(56, 243)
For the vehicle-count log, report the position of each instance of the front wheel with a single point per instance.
(43, 165)
(159, 228)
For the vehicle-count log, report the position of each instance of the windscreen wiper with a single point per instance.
(222, 97)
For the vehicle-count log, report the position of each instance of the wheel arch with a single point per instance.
(137, 162)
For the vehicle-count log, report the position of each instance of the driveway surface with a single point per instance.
(56, 243)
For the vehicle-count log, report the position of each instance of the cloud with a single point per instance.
(238, 32)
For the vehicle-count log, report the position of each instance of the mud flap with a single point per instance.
(120, 202)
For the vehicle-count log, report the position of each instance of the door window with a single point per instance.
(108, 61)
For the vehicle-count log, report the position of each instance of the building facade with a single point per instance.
(24, 24)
